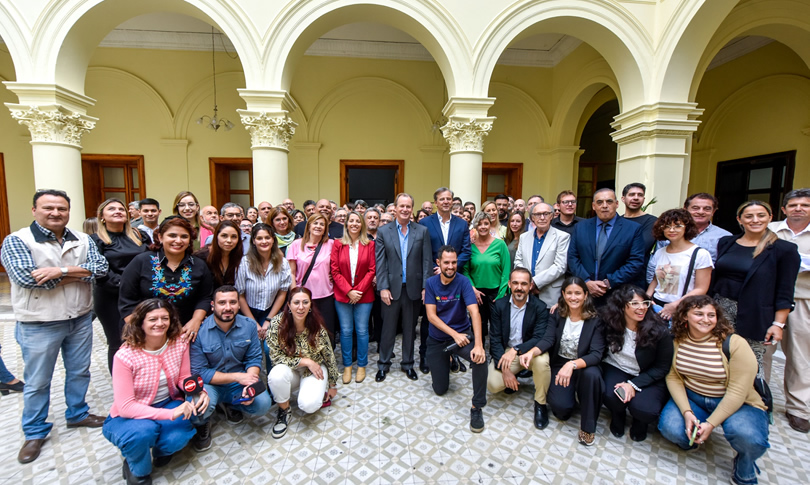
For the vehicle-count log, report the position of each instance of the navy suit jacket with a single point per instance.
(622, 261)
(458, 236)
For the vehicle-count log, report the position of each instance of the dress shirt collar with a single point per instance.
(610, 224)
(44, 235)
(783, 225)
(512, 303)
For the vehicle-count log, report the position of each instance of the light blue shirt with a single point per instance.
(611, 224)
(403, 247)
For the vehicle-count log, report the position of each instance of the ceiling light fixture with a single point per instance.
(214, 122)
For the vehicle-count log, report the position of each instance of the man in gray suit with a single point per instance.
(401, 282)
(544, 252)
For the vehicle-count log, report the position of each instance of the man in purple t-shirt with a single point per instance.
(448, 298)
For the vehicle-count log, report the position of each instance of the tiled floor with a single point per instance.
(396, 432)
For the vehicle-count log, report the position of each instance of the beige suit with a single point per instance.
(549, 271)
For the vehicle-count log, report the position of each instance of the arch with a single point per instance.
(565, 128)
(529, 105)
(786, 21)
(123, 77)
(11, 23)
(360, 85)
(301, 23)
(608, 28)
(798, 84)
(67, 35)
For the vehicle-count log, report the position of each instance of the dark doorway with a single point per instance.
(597, 165)
(374, 181)
(766, 177)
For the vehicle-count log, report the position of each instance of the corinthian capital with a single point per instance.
(268, 130)
(467, 136)
(53, 124)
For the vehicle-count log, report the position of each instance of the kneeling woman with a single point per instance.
(578, 344)
(302, 358)
(149, 410)
(638, 358)
(709, 389)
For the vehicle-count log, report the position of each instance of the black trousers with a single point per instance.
(645, 407)
(328, 311)
(485, 308)
(375, 323)
(105, 306)
(424, 325)
(439, 363)
(586, 386)
(407, 310)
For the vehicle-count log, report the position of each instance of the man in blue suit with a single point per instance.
(606, 251)
(444, 229)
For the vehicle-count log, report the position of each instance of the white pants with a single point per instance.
(283, 380)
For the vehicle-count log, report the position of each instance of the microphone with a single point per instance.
(193, 386)
(252, 391)
(451, 347)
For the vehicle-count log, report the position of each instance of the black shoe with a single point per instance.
(381, 375)
(476, 420)
(540, 415)
(423, 367)
(202, 440)
(454, 364)
(234, 415)
(617, 427)
(461, 366)
(524, 374)
(282, 423)
(132, 479)
(509, 391)
(638, 431)
(161, 461)
(411, 374)
(5, 388)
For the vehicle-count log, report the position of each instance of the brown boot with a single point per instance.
(799, 424)
(347, 375)
(30, 451)
(361, 374)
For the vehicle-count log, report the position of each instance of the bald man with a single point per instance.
(210, 215)
(325, 208)
(264, 210)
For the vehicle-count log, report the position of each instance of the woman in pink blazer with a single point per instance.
(353, 269)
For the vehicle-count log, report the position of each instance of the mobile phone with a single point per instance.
(694, 435)
(619, 391)
(240, 401)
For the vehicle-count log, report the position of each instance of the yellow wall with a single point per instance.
(755, 105)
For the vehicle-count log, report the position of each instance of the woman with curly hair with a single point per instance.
(710, 388)
(637, 360)
(681, 268)
(150, 419)
(303, 358)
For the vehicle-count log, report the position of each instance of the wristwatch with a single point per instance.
(516, 350)
(64, 270)
(779, 324)
(573, 364)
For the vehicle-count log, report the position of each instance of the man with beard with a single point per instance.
(309, 207)
(449, 297)
(210, 215)
(502, 203)
(518, 323)
(633, 197)
(227, 354)
(372, 217)
(520, 206)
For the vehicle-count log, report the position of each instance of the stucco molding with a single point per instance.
(666, 120)
(467, 136)
(53, 124)
(268, 130)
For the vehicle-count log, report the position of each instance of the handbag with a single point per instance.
(760, 385)
(312, 264)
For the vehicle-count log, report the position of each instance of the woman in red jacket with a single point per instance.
(353, 269)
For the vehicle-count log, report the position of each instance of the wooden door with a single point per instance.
(231, 181)
(501, 178)
(107, 176)
(5, 225)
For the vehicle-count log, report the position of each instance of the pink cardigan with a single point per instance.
(135, 378)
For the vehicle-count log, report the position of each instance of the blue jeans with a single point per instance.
(5, 375)
(260, 316)
(354, 318)
(136, 437)
(40, 343)
(228, 393)
(746, 431)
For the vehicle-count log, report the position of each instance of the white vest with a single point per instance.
(63, 302)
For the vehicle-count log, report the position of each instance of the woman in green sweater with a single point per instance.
(488, 268)
(708, 389)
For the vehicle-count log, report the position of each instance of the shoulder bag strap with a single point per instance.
(689, 272)
(312, 263)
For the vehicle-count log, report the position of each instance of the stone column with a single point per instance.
(654, 148)
(465, 130)
(270, 127)
(560, 167)
(56, 134)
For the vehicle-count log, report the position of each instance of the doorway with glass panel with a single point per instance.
(231, 181)
(108, 176)
(501, 178)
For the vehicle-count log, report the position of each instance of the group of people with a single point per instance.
(203, 315)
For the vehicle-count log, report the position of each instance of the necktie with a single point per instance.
(601, 242)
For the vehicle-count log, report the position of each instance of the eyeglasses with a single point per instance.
(640, 304)
(674, 227)
(542, 215)
(568, 202)
(190, 205)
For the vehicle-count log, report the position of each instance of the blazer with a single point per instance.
(341, 267)
(335, 230)
(535, 321)
(767, 287)
(458, 236)
(549, 271)
(389, 260)
(653, 362)
(622, 261)
(591, 340)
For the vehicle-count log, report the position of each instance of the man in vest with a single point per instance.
(51, 269)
